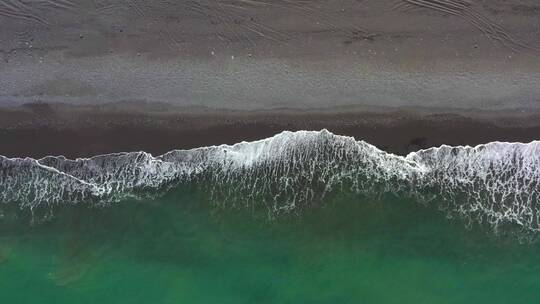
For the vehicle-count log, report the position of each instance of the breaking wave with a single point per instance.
(495, 183)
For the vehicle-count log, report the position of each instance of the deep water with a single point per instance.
(180, 248)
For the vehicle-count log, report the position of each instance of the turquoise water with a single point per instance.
(180, 249)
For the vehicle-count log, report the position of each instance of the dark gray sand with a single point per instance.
(41, 129)
(252, 54)
(86, 77)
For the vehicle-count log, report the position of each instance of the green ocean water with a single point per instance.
(180, 249)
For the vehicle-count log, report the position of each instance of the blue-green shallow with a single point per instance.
(178, 249)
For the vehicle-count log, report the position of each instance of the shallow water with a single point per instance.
(180, 249)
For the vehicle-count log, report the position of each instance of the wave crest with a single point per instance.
(496, 182)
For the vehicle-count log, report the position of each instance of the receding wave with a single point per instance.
(495, 183)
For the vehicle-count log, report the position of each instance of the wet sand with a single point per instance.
(42, 130)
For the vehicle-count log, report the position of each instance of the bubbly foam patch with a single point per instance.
(497, 183)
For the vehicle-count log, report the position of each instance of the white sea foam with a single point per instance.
(496, 182)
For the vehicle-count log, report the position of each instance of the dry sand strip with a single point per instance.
(465, 9)
(259, 54)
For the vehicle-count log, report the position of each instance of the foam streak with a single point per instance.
(498, 183)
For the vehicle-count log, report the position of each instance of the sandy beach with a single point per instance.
(80, 78)
(40, 130)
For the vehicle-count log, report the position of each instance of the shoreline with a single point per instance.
(40, 130)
